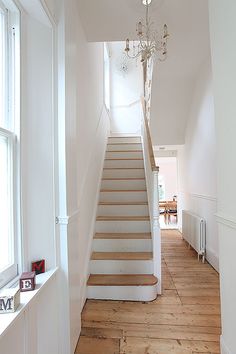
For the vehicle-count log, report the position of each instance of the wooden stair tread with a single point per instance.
(124, 256)
(123, 203)
(122, 280)
(123, 218)
(123, 190)
(123, 236)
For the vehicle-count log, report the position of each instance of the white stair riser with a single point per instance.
(123, 163)
(121, 267)
(128, 147)
(124, 154)
(121, 140)
(122, 226)
(138, 196)
(123, 184)
(127, 210)
(119, 245)
(124, 173)
(130, 293)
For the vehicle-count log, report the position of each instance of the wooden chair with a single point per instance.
(172, 210)
(163, 209)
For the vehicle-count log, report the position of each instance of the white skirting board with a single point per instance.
(224, 348)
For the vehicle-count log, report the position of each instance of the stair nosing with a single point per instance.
(119, 283)
(121, 256)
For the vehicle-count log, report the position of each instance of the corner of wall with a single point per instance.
(223, 346)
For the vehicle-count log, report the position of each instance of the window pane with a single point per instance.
(3, 85)
(6, 234)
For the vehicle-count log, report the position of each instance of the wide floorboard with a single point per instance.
(184, 320)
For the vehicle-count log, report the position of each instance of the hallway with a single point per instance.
(185, 320)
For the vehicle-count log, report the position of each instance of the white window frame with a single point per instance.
(10, 132)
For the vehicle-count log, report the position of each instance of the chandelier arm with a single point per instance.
(133, 56)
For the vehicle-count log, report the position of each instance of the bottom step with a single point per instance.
(134, 287)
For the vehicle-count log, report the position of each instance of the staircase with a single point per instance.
(121, 265)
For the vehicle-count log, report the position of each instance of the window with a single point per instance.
(106, 76)
(9, 121)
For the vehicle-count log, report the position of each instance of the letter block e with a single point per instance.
(27, 281)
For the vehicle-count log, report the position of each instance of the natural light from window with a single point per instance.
(9, 119)
(5, 205)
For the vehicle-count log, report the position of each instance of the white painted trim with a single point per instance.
(226, 220)
(127, 105)
(213, 259)
(25, 300)
(66, 220)
(93, 219)
(223, 346)
(203, 196)
(48, 12)
(92, 151)
(200, 196)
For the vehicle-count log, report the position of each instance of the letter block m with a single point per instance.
(9, 300)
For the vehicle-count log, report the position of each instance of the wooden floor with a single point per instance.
(184, 320)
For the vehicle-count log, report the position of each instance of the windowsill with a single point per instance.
(7, 319)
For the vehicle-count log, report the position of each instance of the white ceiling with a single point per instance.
(188, 47)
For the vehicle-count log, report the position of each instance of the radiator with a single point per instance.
(194, 232)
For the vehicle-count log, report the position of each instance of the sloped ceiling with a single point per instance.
(188, 47)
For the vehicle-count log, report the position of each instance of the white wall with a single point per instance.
(126, 89)
(223, 35)
(86, 129)
(197, 161)
(37, 137)
(62, 153)
(171, 100)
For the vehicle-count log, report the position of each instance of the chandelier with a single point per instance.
(150, 43)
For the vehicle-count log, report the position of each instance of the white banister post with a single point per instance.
(156, 231)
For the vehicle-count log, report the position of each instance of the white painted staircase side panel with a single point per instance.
(124, 173)
(122, 245)
(123, 196)
(130, 293)
(122, 226)
(128, 210)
